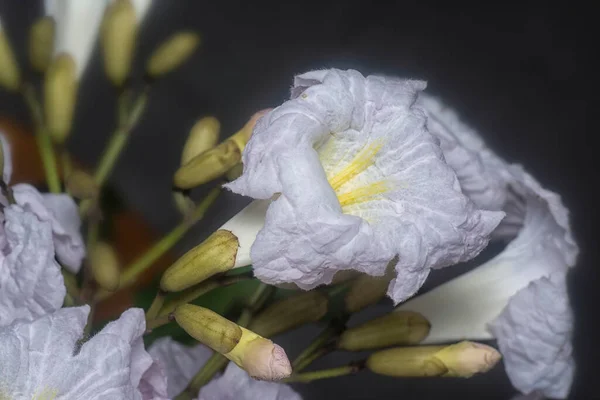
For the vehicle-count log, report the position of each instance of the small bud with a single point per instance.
(10, 75)
(208, 327)
(234, 172)
(394, 329)
(461, 360)
(289, 313)
(217, 161)
(365, 291)
(203, 136)
(215, 255)
(82, 185)
(60, 91)
(118, 34)
(41, 43)
(172, 53)
(105, 266)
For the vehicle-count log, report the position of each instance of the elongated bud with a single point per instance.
(290, 313)
(82, 185)
(217, 161)
(60, 91)
(172, 53)
(105, 266)
(10, 75)
(203, 136)
(118, 34)
(461, 360)
(394, 329)
(365, 291)
(235, 172)
(41, 43)
(260, 357)
(215, 255)
(208, 327)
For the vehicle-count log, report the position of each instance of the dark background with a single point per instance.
(521, 74)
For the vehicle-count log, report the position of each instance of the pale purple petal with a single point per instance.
(534, 334)
(403, 200)
(61, 211)
(31, 283)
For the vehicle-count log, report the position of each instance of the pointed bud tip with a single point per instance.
(267, 361)
(477, 357)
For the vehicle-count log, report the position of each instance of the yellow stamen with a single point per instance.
(362, 161)
(362, 194)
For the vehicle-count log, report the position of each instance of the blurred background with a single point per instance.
(520, 74)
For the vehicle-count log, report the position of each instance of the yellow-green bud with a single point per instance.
(234, 172)
(208, 327)
(60, 92)
(290, 313)
(461, 360)
(41, 43)
(118, 34)
(215, 255)
(393, 329)
(172, 53)
(203, 136)
(10, 75)
(81, 185)
(105, 266)
(365, 291)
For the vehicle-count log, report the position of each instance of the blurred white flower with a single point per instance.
(31, 284)
(42, 358)
(358, 180)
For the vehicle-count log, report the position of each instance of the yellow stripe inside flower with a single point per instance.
(46, 394)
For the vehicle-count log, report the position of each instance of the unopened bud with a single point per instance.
(290, 313)
(60, 91)
(215, 255)
(105, 266)
(234, 172)
(208, 327)
(217, 161)
(172, 53)
(365, 291)
(461, 360)
(394, 329)
(203, 136)
(184, 204)
(10, 75)
(119, 30)
(82, 185)
(41, 43)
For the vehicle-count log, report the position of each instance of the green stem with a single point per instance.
(325, 338)
(326, 373)
(312, 357)
(157, 322)
(157, 304)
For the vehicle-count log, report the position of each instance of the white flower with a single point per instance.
(31, 284)
(359, 181)
(77, 26)
(534, 335)
(62, 213)
(42, 358)
(141, 8)
(182, 363)
(464, 307)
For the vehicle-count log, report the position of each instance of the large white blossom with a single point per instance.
(31, 284)
(357, 181)
(43, 358)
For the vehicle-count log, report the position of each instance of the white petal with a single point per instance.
(77, 26)
(180, 362)
(31, 284)
(534, 335)
(61, 211)
(6, 151)
(462, 308)
(403, 201)
(236, 384)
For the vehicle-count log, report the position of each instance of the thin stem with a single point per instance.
(326, 373)
(157, 304)
(325, 337)
(312, 357)
(160, 321)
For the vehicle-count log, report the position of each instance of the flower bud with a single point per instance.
(105, 266)
(10, 75)
(41, 43)
(235, 172)
(461, 360)
(365, 291)
(392, 329)
(289, 313)
(203, 136)
(208, 327)
(217, 161)
(60, 91)
(172, 53)
(184, 204)
(82, 185)
(215, 255)
(118, 34)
